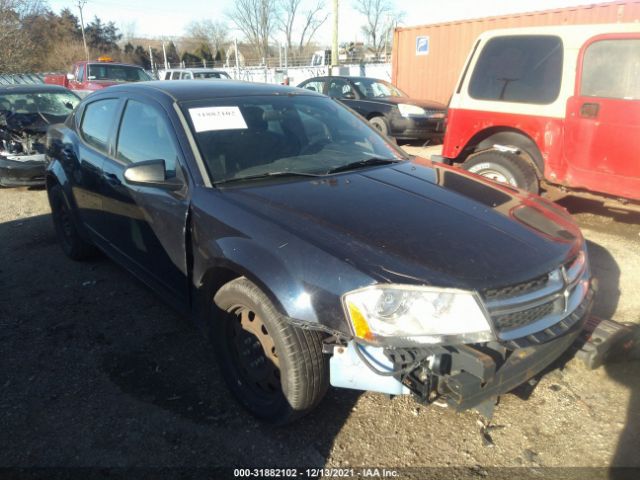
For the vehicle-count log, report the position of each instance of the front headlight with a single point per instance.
(404, 315)
(411, 110)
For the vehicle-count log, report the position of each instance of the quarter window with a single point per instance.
(611, 69)
(145, 135)
(97, 121)
(519, 68)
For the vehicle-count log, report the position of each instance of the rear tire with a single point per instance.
(73, 245)
(380, 124)
(277, 371)
(504, 167)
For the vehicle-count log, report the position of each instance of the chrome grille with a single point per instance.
(541, 308)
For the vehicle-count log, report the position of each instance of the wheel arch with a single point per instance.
(374, 114)
(217, 275)
(497, 135)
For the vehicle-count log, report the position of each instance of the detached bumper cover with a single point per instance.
(22, 170)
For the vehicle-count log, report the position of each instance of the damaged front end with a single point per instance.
(22, 148)
(532, 323)
(25, 115)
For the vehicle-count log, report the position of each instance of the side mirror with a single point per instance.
(349, 96)
(151, 173)
(70, 76)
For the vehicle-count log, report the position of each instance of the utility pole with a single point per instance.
(334, 44)
(151, 58)
(82, 3)
(164, 52)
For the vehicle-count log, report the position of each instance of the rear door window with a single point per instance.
(97, 122)
(611, 69)
(519, 68)
(339, 87)
(315, 86)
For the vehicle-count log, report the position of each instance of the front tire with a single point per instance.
(504, 167)
(276, 370)
(73, 245)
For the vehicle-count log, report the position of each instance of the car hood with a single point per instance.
(417, 222)
(426, 104)
(98, 84)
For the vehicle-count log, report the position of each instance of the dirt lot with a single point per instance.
(96, 371)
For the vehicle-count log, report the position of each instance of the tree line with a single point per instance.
(33, 38)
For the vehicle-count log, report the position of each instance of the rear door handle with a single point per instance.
(589, 110)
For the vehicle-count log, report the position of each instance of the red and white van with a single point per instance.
(558, 106)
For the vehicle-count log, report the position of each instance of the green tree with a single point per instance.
(102, 37)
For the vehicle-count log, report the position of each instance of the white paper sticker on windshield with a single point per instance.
(217, 118)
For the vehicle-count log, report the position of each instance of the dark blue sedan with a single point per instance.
(311, 250)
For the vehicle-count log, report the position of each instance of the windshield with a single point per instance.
(294, 134)
(49, 103)
(200, 75)
(117, 73)
(372, 88)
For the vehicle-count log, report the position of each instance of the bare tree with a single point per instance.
(214, 34)
(311, 20)
(255, 19)
(128, 29)
(16, 46)
(381, 16)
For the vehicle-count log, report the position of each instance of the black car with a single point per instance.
(311, 251)
(386, 107)
(26, 111)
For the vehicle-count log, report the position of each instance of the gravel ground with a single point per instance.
(96, 371)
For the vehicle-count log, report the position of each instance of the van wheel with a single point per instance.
(73, 245)
(277, 371)
(504, 168)
(380, 124)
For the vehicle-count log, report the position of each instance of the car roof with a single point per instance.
(347, 77)
(33, 88)
(119, 64)
(573, 36)
(199, 69)
(181, 91)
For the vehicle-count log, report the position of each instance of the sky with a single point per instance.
(168, 18)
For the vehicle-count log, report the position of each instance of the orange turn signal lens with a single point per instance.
(360, 325)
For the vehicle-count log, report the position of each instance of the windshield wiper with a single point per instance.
(367, 162)
(265, 175)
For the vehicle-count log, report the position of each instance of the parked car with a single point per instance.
(386, 107)
(26, 111)
(87, 77)
(310, 250)
(553, 105)
(194, 74)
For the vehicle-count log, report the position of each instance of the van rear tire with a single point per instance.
(504, 167)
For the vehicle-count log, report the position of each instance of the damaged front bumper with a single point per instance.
(466, 376)
(22, 170)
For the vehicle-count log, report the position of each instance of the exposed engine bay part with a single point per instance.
(26, 112)
(471, 376)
